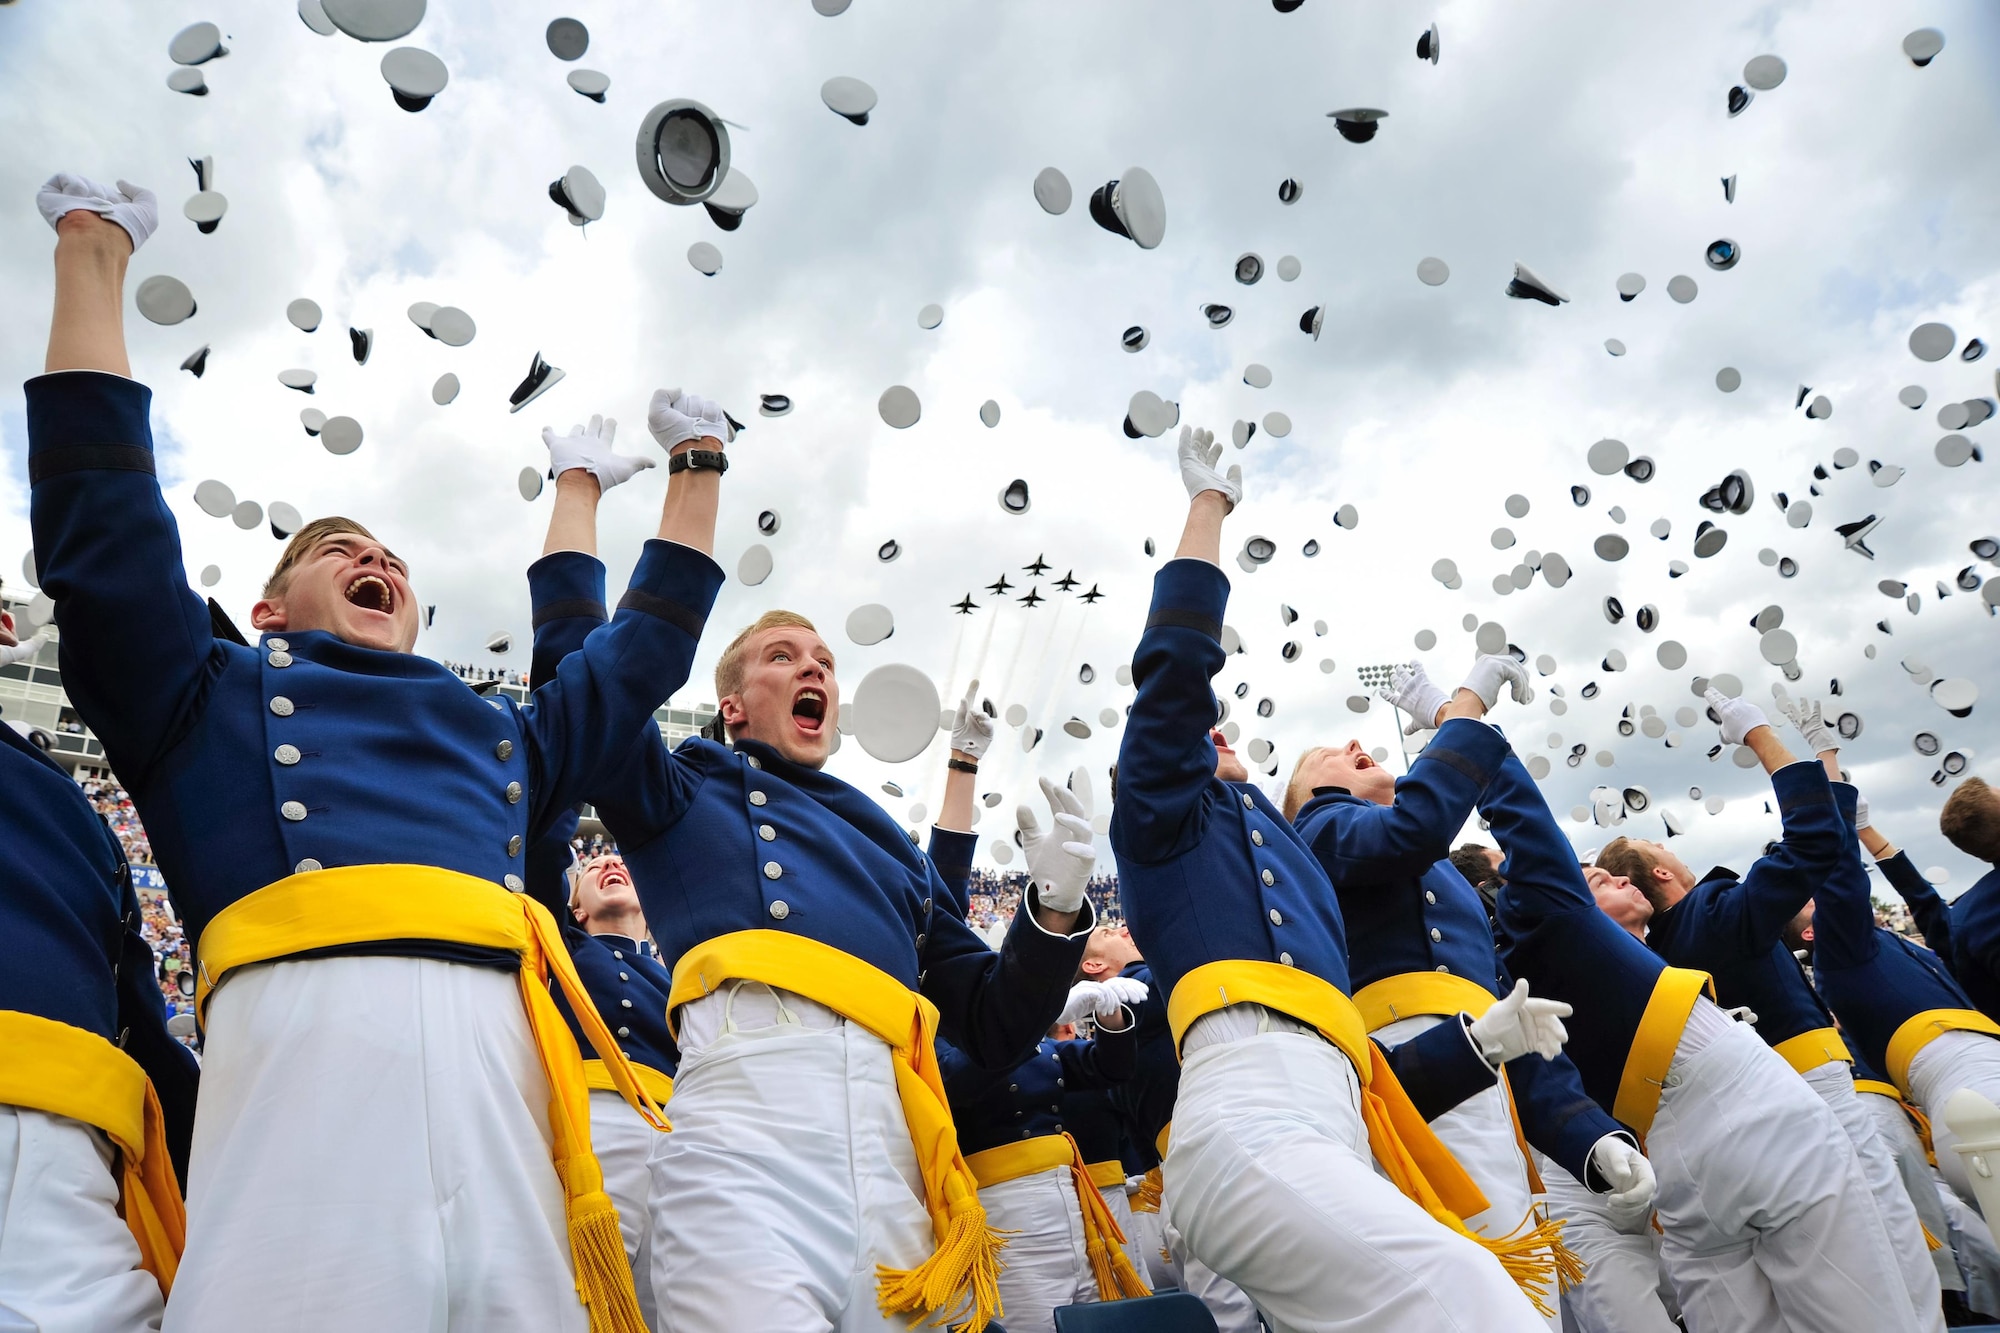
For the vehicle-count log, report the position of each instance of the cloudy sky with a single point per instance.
(1583, 141)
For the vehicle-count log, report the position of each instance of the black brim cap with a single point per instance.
(541, 378)
(1133, 207)
(313, 15)
(1922, 46)
(1722, 254)
(362, 343)
(1526, 286)
(1427, 44)
(1932, 342)
(197, 364)
(445, 390)
(773, 404)
(1357, 124)
(579, 193)
(164, 300)
(899, 407)
(415, 76)
(196, 44)
(1739, 100)
(206, 210)
(590, 83)
(189, 81)
(284, 519)
(849, 98)
(732, 199)
(304, 314)
(300, 379)
(1764, 72)
(1014, 498)
(1313, 321)
(452, 326)
(340, 435)
(1052, 191)
(683, 151)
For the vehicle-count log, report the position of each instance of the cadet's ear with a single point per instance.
(731, 709)
(268, 614)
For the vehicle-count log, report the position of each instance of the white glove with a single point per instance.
(1742, 1013)
(1860, 812)
(971, 729)
(1086, 998)
(133, 207)
(675, 418)
(589, 448)
(1630, 1176)
(1493, 670)
(1413, 692)
(27, 648)
(1199, 453)
(1805, 715)
(1128, 991)
(1518, 1025)
(1059, 861)
(1737, 717)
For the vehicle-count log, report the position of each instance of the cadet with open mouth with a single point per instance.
(387, 1086)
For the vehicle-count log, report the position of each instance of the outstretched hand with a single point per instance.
(133, 207)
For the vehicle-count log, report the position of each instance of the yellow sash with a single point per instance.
(1653, 1046)
(597, 1077)
(1403, 1144)
(1107, 1175)
(1147, 1200)
(1103, 1238)
(66, 1071)
(966, 1263)
(1880, 1089)
(1922, 1029)
(368, 904)
(1810, 1050)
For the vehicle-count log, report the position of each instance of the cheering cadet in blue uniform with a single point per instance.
(1733, 930)
(1967, 934)
(96, 1100)
(1282, 1097)
(603, 924)
(1420, 950)
(385, 1089)
(815, 954)
(1767, 1217)
(1896, 1001)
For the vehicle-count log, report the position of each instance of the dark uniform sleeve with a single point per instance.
(1543, 876)
(137, 655)
(142, 1024)
(1105, 1061)
(1360, 844)
(995, 1006)
(1843, 913)
(582, 723)
(1557, 1117)
(1752, 916)
(1931, 912)
(1439, 1068)
(566, 592)
(951, 853)
(1166, 760)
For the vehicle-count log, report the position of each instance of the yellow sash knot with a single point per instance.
(63, 1070)
(1404, 1145)
(962, 1276)
(379, 903)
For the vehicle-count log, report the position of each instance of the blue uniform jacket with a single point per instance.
(1145, 1102)
(1552, 933)
(70, 947)
(1975, 940)
(1734, 929)
(1874, 980)
(251, 764)
(994, 1107)
(624, 977)
(1933, 917)
(1408, 909)
(1210, 871)
(723, 838)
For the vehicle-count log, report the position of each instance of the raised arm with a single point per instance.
(1843, 913)
(136, 644)
(1105, 1061)
(1931, 913)
(1166, 761)
(1543, 876)
(952, 840)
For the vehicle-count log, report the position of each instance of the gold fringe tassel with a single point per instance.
(1930, 1242)
(1535, 1257)
(967, 1259)
(1147, 1200)
(603, 1273)
(1104, 1239)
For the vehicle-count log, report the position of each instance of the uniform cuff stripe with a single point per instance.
(678, 614)
(571, 608)
(48, 463)
(1453, 760)
(1193, 620)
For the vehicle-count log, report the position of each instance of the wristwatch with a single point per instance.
(698, 460)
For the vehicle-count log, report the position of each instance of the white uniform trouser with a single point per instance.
(1950, 1061)
(1620, 1292)
(1160, 1269)
(1972, 1243)
(623, 1142)
(789, 1175)
(1046, 1264)
(68, 1264)
(1270, 1183)
(1768, 1219)
(1119, 1204)
(1834, 1082)
(1479, 1131)
(1920, 1179)
(371, 1150)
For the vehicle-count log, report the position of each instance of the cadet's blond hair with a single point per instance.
(301, 545)
(729, 667)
